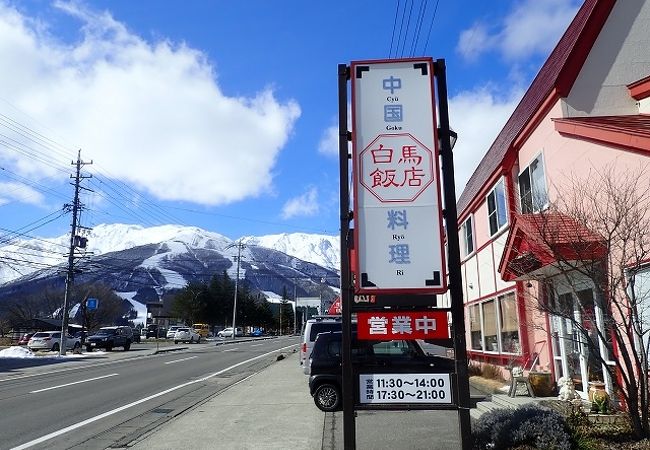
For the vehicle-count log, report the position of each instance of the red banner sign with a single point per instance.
(380, 325)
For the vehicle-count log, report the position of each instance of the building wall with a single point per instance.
(620, 56)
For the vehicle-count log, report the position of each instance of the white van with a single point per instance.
(315, 325)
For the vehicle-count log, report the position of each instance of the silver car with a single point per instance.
(186, 334)
(172, 331)
(51, 341)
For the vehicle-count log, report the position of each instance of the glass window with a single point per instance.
(475, 327)
(490, 326)
(509, 324)
(532, 187)
(496, 201)
(640, 284)
(468, 237)
(390, 348)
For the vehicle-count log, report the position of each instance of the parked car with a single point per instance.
(394, 356)
(186, 334)
(110, 337)
(172, 331)
(24, 339)
(156, 331)
(227, 332)
(51, 341)
(257, 333)
(136, 335)
(311, 329)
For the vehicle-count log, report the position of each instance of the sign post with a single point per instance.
(398, 246)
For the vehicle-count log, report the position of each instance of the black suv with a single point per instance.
(110, 337)
(374, 356)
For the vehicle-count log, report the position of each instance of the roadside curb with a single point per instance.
(168, 349)
(238, 341)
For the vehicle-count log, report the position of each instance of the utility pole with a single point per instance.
(74, 243)
(234, 305)
(295, 309)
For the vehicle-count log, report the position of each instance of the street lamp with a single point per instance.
(453, 137)
(234, 303)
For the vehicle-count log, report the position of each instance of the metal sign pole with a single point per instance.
(455, 279)
(349, 427)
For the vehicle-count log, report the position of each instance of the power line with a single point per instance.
(426, 44)
(392, 38)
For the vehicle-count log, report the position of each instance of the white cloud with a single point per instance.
(303, 205)
(477, 116)
(151, 114)
(531, 27)
(13, 191)
(329, 142)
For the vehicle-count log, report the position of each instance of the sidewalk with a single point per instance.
(269, 410)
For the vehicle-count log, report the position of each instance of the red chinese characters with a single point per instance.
(396, 167)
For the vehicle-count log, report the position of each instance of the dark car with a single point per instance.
(155, 331)
(399, 356)
(136, 335)
(109, 338)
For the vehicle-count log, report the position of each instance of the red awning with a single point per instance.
(536, 242)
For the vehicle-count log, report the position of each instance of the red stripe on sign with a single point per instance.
(380, 325)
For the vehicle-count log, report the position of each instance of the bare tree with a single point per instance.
(599, 230)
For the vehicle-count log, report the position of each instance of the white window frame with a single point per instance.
(500, 226)
(497, 303)
(463, 228)
(534, 207)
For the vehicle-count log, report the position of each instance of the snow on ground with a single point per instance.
(25, 353)
(139, 307)
(174, 279)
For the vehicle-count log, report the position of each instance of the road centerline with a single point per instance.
(231, 349)
(73, 383)
(180, 360)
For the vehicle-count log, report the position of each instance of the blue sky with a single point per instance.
(222, 114)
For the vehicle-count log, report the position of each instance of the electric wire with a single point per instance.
(392, 38)
(433, 18)
(408, 23)
(418, 26)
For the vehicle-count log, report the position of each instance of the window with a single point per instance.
(494, 325)
(475, 327)
(508, 324)
(490, 326)
(468, 236)
(532, 187)
(496, 202)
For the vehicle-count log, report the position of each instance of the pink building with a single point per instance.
(587, 111)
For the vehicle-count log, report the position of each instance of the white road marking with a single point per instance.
(256, 345)
(76, 382)
(179, 360)
(83, 423)
(231, 349)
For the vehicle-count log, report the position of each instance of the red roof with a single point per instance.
(557, 75)
(538, 240)
(627, 131)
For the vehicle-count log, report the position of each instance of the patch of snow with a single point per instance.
(139, 307)
(17, 352)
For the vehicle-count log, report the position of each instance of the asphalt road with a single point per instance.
(108, 400)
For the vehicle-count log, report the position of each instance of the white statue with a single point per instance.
(567, 389)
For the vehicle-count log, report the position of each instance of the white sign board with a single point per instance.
(405, 388)
(397, 201)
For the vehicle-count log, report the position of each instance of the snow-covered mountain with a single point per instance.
(22, 257)
(317, 248)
